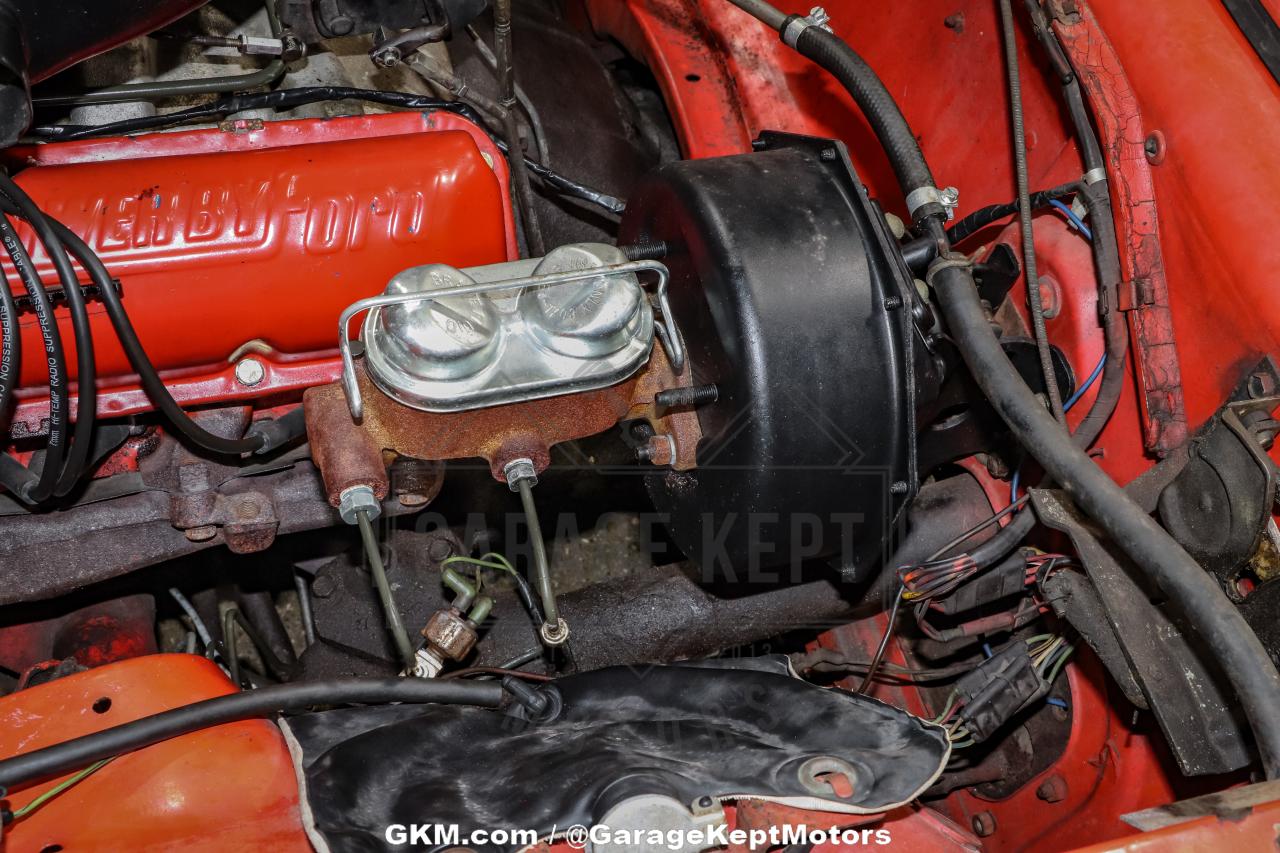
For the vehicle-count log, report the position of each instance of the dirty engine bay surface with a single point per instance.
(627, 425)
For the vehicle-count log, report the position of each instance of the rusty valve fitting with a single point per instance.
(449, 636)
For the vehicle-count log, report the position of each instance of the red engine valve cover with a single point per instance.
(250, 241)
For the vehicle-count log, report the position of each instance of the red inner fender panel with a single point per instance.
(228, 787)
(215, 235)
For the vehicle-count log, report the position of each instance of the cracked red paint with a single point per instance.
(1145, 296)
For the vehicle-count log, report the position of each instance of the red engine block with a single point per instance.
(247, 241)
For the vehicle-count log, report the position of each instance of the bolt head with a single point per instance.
(323, 586)
(1052, 790)
(249, 372)
(387, 57)
(357, 499)
(292, 48)
(439, 549)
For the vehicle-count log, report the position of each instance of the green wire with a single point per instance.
(59, 788)
(1057, 667)
(497, 562)
(502, 566)
(951, 701)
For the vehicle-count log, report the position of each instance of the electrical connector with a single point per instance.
(998, 689)
(1004, 580)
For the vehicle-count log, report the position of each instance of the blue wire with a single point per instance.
(1053, 700)
(986, 650)
(1066, 407)
(1071, 215)
(1088, 383)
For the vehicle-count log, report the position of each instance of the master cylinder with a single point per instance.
(501, 362)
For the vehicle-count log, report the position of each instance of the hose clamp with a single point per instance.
(951, 260)
(796, 24)
(947, 198)
(1094, 176)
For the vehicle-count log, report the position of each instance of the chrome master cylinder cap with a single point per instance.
(449, 338)
(592, 318)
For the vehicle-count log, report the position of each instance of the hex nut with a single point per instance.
(357, 499)
(659, 450)
(518, 470)
(554, 634)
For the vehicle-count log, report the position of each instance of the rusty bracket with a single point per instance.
(247, 519)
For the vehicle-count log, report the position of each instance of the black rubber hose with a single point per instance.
(284, 666)
(20, 481)
(281, 431)
(1106, 257)
(1090, 150)
(1006, 539)
(259, 609)
(82, 751)
(151, 381)
(881, 111)
(1243, 658)
(18, 202)
(10, 351)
